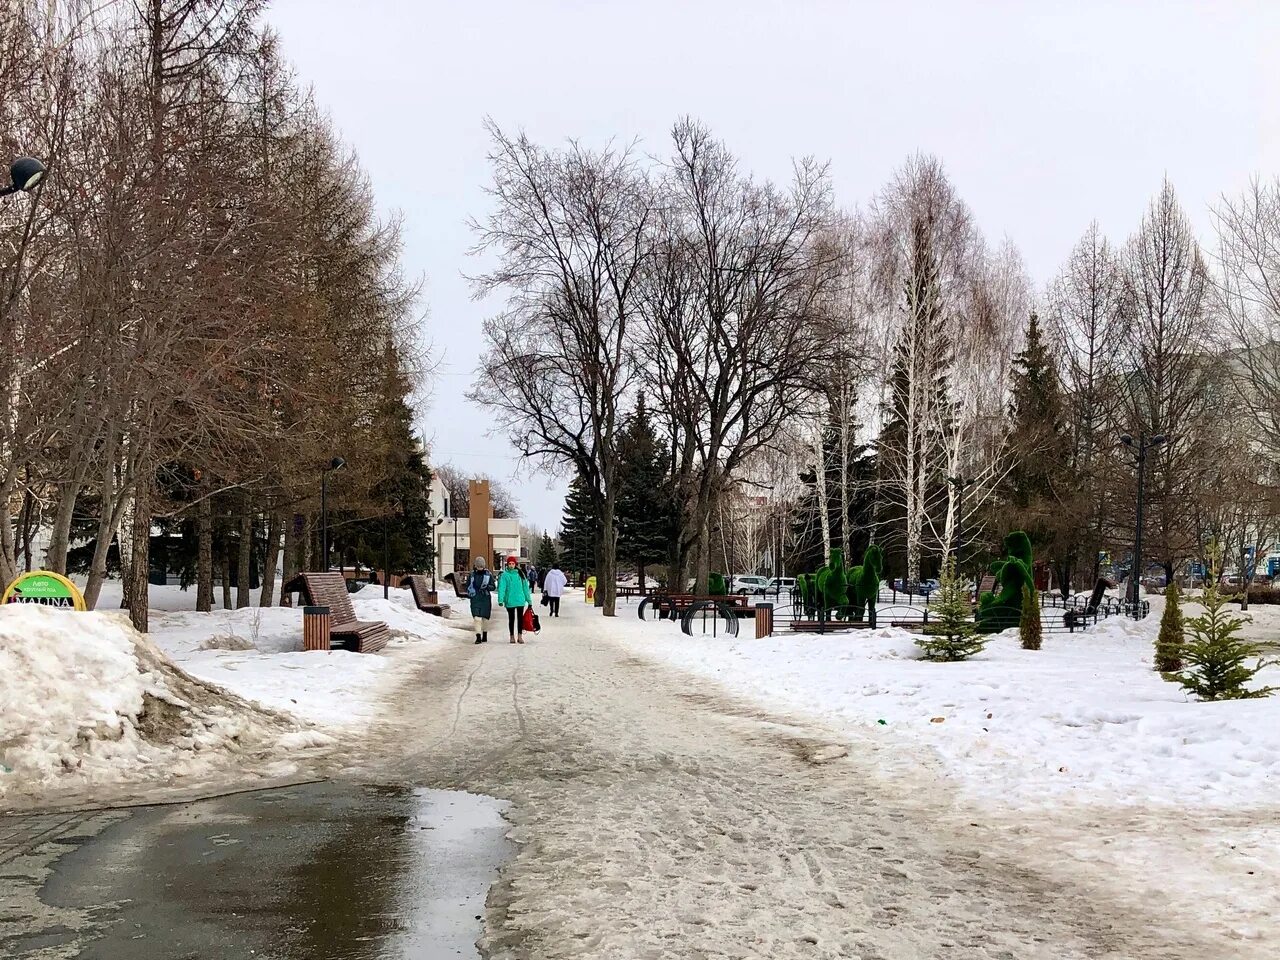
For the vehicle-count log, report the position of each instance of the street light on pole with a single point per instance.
(1140, 448)
(337, 463)
(435, 551)
(961, 484)
(26, 173)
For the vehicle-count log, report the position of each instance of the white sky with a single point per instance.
(1046, 114)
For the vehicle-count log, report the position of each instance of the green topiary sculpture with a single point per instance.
(806, 587)
(832, 583)
(864, 581)
(1000, 611)
(716, 585)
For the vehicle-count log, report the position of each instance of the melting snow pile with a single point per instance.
(87, 702)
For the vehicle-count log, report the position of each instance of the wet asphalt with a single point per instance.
(328, 871)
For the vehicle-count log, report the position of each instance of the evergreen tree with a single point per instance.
(1030, 629)
(951, 634)
(580, 529)
(1217, 658)
(546, 557)
(1037, 490)
(1168, 654)
(647, 517)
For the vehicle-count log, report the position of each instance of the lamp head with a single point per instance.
(337, 463)
(26, 172)
(1127, 440)
(1158, 439)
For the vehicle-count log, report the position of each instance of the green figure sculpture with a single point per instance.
(1000, 611)
(716, 585)
(832, 583)
(864, 583)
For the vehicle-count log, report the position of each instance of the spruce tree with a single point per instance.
(1030, 630)
(647, 518)
(546, 557)
(1217, 659)
(951, 634)
(580, 529)
(1168, 654)
(1038, 486)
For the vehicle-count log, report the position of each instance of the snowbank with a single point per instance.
(86, 701)
(1085, 718)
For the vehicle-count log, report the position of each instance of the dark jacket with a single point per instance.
(480, 589)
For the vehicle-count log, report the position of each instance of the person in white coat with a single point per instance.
(553, 582)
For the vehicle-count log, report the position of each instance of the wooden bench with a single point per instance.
(345, 631)
(827, 626)
(426, 599)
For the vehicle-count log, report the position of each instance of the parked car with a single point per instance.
(745, 583)
(781, 585)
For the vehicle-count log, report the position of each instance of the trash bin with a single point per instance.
(764, 620)
(315, 629)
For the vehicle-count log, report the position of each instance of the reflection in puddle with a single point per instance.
(320, 871)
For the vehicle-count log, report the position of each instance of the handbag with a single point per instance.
(546, 600)
(528, 621)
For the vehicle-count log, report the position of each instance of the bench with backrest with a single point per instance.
(424, 597)
(345, 631)
(672, 605)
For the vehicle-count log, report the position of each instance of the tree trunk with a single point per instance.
(204, 552)
(8, 554)
(245, 557)
(820, 484)
(292, 563)
(29, 524)
(607, 585)
(55, 556)
(115, 496)
(138, 579)
(274, 529)
(226, 574)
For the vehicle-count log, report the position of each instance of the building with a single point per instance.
(495, 539)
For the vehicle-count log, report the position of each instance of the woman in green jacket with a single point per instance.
(514, 594)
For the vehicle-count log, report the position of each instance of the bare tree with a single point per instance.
(570, 229)
(731, 294)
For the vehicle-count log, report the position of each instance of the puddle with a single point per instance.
(318, 871)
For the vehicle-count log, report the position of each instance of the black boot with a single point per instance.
(478, 640)
(484, 637)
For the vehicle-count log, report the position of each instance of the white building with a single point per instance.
(494, 539)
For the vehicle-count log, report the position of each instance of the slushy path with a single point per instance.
(658, 819)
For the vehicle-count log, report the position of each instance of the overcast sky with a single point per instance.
(1047, 115)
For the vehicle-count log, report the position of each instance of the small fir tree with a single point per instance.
(1217, 659)
(951, 634)
(547, 556)
(1168, 655)
(1030, 630)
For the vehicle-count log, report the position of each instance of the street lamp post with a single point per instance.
(26, 173)
(1144, 443)
(961, 484)
(435, 552)
(337, 463)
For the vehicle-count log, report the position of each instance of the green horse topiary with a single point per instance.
(833, 583)
(864, 583)
(806, 587)
(716, 585)
(1000, 611)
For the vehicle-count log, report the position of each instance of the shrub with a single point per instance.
(1169, 641)
(1030, 630)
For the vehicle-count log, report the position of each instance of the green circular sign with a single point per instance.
(46, 589)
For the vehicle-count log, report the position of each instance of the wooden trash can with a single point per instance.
(764, 620)
(315, 629)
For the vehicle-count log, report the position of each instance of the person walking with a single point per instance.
(514, 594)
(553, 586)
(533, 577)
(480, 586)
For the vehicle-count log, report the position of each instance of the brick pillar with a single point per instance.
(481, 509)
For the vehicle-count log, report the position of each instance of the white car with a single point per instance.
(780, 585)
(749, 583)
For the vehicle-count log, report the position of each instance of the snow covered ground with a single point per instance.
(1173, 798)
(88, 705)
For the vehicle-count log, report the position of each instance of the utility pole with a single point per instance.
(1140, 449)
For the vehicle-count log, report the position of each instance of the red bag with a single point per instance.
(527, 620)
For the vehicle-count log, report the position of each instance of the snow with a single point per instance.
(1167, 798)
(87, 703)
(1086, 718)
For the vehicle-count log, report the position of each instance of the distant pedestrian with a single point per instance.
(480, 587)
(515, 595)
(533, 577)
(553, 587)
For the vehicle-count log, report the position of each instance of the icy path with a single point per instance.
(658, 819)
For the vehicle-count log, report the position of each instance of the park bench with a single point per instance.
(671, 606)
(426, 599)
(345, 631)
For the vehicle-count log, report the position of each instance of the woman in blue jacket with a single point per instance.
(480, 589)
(515, 595)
